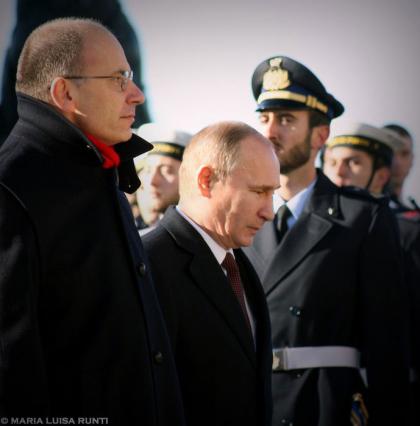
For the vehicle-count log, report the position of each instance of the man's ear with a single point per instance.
(380, 179)
(61, 96)
(204, 180)
(320, 135)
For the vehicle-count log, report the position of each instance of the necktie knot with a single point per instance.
(283, 213)
(229, 263)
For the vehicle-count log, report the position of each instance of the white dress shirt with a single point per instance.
(296, 204)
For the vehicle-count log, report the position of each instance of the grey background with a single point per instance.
(198, 56)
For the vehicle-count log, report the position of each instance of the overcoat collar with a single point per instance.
(209, 277)
(64, 136)
(313, 225)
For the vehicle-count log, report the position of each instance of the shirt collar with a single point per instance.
(297, 202)
(218, 251)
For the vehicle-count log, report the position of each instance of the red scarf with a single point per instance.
(112, 159)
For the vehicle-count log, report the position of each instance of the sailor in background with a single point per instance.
(401, 165)
(158, 172)
(362, 155)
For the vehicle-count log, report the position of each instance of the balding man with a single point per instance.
(211, 298)
(81, 332)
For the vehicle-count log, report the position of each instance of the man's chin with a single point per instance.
(246, 242)
(159, 208)
(116, 139)
(286, 169)
(125, 136)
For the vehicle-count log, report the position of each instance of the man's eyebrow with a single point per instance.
(284, 114)
(346, 159)
(264, 187)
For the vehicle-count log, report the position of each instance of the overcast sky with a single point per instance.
(198, 56)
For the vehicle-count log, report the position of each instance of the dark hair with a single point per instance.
(402, 131)
(316, 118)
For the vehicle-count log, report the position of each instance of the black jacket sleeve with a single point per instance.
(22, 369)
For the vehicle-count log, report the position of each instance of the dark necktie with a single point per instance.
(283, 213)
(234, 277)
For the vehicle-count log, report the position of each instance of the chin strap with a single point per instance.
(374, 165)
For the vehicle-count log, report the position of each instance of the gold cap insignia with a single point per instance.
(276, 78)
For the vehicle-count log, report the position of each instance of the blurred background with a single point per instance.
(197, 57)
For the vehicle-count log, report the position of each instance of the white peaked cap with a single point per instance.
(161, 133)
(365, 131)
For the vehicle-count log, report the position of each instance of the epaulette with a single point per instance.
(361, 193)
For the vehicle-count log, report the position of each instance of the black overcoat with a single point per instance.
(336, 280)
(410, 242)
(225, 380)
(81, 331)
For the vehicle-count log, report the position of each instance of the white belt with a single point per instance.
(315, 357)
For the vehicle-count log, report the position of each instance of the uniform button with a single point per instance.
(286, 422)
(141, 269)
(295, 310)
(158, 357)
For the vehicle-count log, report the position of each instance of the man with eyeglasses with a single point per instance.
(331, 270)
(81, 332)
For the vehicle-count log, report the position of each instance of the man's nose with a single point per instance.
(136, 96)
(271, 129)
(267, 210)
(341, 169)
(155, 178)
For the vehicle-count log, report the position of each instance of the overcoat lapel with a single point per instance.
(209, 277)
(313, 225)
(308, 230)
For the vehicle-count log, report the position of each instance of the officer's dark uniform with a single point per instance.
(333, 286)
(409, 225)
(380, 144)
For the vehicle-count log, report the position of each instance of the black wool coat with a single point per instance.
(81, 332)
(336, 280)
(225, 379)
(410, 241)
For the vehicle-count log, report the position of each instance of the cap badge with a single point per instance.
(276, 78)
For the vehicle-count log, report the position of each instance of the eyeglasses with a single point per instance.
(122, 79)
